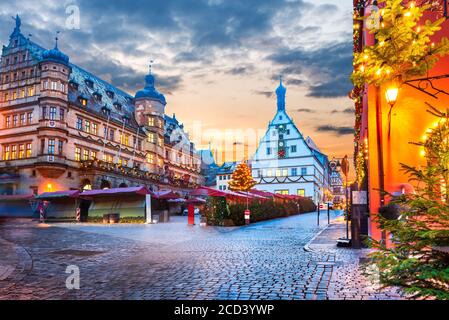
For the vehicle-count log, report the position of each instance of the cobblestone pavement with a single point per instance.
(173, 261)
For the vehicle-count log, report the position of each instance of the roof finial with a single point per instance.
(56, 39)
(18, 22)
(151, 66)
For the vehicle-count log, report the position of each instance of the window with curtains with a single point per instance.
(77, 154)
(21, 151)
(29, 150)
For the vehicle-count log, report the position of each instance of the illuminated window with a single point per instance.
(30, 91)
(151, 122)
(22, 93)
(150, 158)
(14, 95)
(86, 155)
(21, 151)
(93, 155)
(301, 192)
(108, 158)
(77, 154)
(282, 192)
(160, 142)
(8, 121)
(83, 102)
(94, 128)
(278, 172)
(29, 150)
(51, 146)
(13, 152)
(124, 139)
(6, 97)
(7, 154)
(152, 138)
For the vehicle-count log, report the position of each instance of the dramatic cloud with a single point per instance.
(327, 69)
(336, 130)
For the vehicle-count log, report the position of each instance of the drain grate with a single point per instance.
(78, 253)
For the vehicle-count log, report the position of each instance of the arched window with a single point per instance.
(105, 185)
(86, 185)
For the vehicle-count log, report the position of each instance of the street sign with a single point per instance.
(247, 216)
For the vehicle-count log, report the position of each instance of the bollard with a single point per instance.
(191, 215)
(328, 214)
(319, 211)
(247, 217)
(78, 215)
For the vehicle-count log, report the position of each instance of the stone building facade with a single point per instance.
(64, 128)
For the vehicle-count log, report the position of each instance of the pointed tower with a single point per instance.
(149, 112)
(281, 92)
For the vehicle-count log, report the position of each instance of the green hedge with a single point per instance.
(218, 212)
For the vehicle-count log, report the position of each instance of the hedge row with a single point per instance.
(219, 213)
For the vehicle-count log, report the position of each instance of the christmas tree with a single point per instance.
(418, 223)
(242, 179)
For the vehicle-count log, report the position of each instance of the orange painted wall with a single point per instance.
(409, 123)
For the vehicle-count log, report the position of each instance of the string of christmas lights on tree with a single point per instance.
(242, 179)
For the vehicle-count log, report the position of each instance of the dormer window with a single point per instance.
(110, 94)
(89, 83)
(74, 85)
(105, 111)
(118, 106)
(82, 101)
(98, 96)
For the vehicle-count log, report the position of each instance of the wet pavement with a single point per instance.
(174, 261)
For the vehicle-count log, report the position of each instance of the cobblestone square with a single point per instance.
(264, 261)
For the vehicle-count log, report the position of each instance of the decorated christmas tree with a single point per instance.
(417, 259)
(242, 179)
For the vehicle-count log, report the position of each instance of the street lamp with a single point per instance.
(391, 94)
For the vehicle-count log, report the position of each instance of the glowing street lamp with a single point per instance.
(392, 94)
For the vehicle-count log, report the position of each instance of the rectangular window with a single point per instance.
(29, 150)
(87, 126)
(60, 147)
(79, 124)
(124, 139)
(93, 155)
(301, 192)
(6, 97)
(278, 172)
(54, 85)
(15, 119)
(42, 146)
(294, 149)
(14, 152)
(86, 155)
(7, 154)
(45, 85)
(303, 171)
(269, 173)
(268, 151)
(22, 93)
(285, 172)
(152, 138)
(30, 117)
(105, 133)
(111, 135)
(61, 114)
(44, 113)
(151, 122)
(62, 87)
(283, 192)
(52, 113)
(139, 145)
(30, 91)
(51, 146)
(94, 128)
(150, 158)
(8, 122)
(294, 172)
(14, 95)
(21, 151)
(77, 154)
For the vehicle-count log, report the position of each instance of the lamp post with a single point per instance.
(391, 95)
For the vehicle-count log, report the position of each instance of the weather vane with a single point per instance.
(151, 65)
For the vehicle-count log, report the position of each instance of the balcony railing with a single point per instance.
(136, 173)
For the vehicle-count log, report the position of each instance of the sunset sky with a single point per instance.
(217, 61)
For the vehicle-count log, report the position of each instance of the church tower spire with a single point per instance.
(281, 91)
